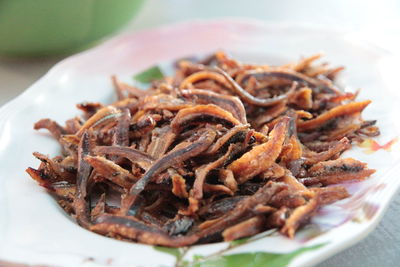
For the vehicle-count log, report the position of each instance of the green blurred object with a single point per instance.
(49, 27)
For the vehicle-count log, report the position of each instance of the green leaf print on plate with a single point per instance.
(172, 251)
(251, 259)
(149, 75)
(254, 259)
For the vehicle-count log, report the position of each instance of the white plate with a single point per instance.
(34, 230)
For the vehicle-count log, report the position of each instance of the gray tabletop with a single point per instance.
(382, 246)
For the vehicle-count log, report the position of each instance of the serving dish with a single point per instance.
(34, 229)
(46, 27)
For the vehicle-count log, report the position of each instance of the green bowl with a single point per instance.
(48, 27)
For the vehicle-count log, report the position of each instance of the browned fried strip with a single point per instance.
(299, 216)
(100, 207)
(338, 171)
(174, 157)
(226, 176)
(163, 101)
(89, 108)
(134, 155)
(39, 177)
(202, 114)
(261, 157)
(243, 94)
(121, 135)
(55, 170)
(131, 228)
(273, 172)
(328, 195)
(217, 189)
(202, 172)
(288, 77)
(84, 170)
(236, 133)
(101, 117)
(111, 171)
(161, 140)
(178, 185)
(338, 111)
(302, 98)
(188, 82)
(229, 103)
(249, 227)
(269, 114)
(53, 127)
(142, 127)
(243, 209)
(312, 157)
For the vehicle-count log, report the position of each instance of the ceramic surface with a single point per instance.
(34, 230)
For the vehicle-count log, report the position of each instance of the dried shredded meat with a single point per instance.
(223, 150)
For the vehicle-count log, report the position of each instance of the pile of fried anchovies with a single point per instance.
(220, 151)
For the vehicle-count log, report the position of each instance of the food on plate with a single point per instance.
(220, 151)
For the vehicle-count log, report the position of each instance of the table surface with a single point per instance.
(382, 246)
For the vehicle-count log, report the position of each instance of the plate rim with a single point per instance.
(330, 249)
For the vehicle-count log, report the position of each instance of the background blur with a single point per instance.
(378, 21)
(375, 21)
